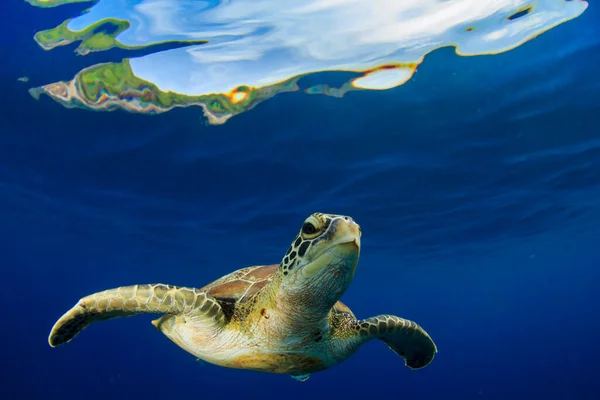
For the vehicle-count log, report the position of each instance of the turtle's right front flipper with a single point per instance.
(132, 300)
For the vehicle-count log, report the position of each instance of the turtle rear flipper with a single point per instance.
(404, 337)
(132, 300)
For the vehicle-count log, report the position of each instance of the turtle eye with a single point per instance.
(309, 229)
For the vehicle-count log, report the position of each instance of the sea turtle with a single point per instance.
(283, 318)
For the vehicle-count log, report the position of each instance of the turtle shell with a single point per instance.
(242, 284)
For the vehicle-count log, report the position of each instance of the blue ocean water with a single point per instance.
(476, 184)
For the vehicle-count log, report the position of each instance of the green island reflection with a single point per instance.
(113, 86)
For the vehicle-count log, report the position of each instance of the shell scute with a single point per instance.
(230, 290)
(261, 273)
(242, 284)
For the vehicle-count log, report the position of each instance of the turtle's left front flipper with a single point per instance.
(404, 337)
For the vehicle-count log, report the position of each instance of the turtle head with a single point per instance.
(322, 259)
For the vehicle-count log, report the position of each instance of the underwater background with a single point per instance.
(476, 185)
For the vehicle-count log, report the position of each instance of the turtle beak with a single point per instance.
(349, 231)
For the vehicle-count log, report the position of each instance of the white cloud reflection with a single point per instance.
(263, 42)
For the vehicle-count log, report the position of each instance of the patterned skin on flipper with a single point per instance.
(404, 337)
(128, 301)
